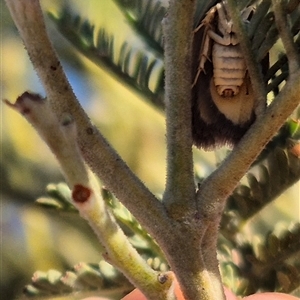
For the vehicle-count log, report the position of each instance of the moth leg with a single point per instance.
(210, 15)
(204, 55)
(206, 42)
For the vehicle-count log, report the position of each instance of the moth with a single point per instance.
(223, 104)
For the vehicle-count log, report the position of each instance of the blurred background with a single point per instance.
(33, 238)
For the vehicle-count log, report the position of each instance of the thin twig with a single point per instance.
(61, 137)
(286, 36)
(178, 34)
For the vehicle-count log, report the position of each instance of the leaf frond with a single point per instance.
(263, 33)
(83, 277)
(262, 263)
(145, 18)
(100, 278)
(135, 67)
(270, 261)
(265, 183)
(279, 72)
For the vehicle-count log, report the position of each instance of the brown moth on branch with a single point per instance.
(224, 104)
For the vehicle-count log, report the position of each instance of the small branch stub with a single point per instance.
(21, 104)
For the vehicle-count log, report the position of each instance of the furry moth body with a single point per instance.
(223, 106)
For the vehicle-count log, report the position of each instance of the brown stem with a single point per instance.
(179, 196)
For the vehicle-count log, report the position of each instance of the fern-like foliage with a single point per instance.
(279, 72)
(263, 33)
(133, 66)
(83, 277)
(101, 277)
(59, 198)
(247, 265)
(287, 138)
(265, 184)
(145, 17)
(265, 263)
(269, 262)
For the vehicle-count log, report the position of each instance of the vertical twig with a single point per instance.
(199, 276)
(286, 36)
(178, 35)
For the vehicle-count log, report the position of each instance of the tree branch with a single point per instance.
(200, 278)
(102, 159)
(286, 36)
(61, 136)
(179, 196)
